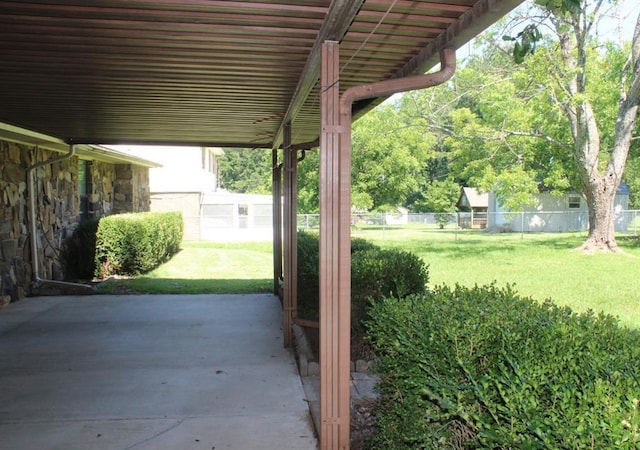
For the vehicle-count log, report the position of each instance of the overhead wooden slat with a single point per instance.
(211, 71)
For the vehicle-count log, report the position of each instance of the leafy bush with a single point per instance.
(82, 250)
(308, 275)
(484, 368)
(375, 273)
(130, 244)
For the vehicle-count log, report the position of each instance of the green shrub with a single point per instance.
(375, 273)
(308, 275)
(130, 244)
(484, 368)
(82, 250)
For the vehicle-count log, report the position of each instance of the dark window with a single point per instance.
(574, 202)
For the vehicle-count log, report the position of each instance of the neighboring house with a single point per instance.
(555, 213)
(477, 203)
(189, 181)
(180, 184)
(182, 169)
(236, 217)
(67, 188)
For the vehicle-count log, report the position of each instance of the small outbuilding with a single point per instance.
(474, 201)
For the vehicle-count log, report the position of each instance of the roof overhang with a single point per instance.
(210, 73)
(23, 136)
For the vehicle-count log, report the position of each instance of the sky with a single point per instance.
(618, 24)
(627, 11)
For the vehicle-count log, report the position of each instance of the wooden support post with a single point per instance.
(335, 258)
(276, 190)
(290, 235)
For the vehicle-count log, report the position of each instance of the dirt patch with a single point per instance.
(359, 348)
(363, 423)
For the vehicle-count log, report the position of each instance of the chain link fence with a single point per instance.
(626, 222)
(216, 224)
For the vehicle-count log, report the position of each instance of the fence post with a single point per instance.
(522, 225)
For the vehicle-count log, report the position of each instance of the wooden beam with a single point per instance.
(290, 235)
(276, 190)
(335, 258)
(336, 24)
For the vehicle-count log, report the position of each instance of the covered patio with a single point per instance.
(149, 372)
(282, 76)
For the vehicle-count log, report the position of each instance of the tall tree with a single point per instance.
(309, 183)
(246, 171)
(387, 158)
(600, 167)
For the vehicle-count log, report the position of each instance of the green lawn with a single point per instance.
(538, 265)
(541, 265)
(206, 268)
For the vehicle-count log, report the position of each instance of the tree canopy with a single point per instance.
(246, 171)
(561, 119)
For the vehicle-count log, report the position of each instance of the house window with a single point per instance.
(574, 202)
(243, 216)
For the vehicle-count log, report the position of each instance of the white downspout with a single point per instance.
(32, 207)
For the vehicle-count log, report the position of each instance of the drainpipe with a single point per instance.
(335, 257)
(32, 213)
(383, 88)
(389, 87)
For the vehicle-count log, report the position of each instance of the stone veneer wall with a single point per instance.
(100, 189)
(57, 210)
(131, 189)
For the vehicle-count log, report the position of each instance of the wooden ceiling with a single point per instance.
(209, 72)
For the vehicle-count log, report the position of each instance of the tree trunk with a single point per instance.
(600, 196)
(599, 187)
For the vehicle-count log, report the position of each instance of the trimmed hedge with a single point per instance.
(375, 273)
(130, 244)
(82, 250)
(484, 368)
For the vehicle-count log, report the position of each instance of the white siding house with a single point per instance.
(554, 213)
(188, 181)
(186, 175)
(184, 169)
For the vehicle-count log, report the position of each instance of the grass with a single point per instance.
(205, 268)
(538, 265)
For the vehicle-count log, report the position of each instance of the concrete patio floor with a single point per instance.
(154, 372)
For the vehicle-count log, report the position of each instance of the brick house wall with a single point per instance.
(57, 201)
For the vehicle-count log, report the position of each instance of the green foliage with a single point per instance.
(514, 188)
(562, 6)
(482, 367)
(387, 159)
(130, 244)
(246, 171)
(308, 275)
(82, 251)
(525, 42)
(439, 197)
(375, 273)
(308, 183)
